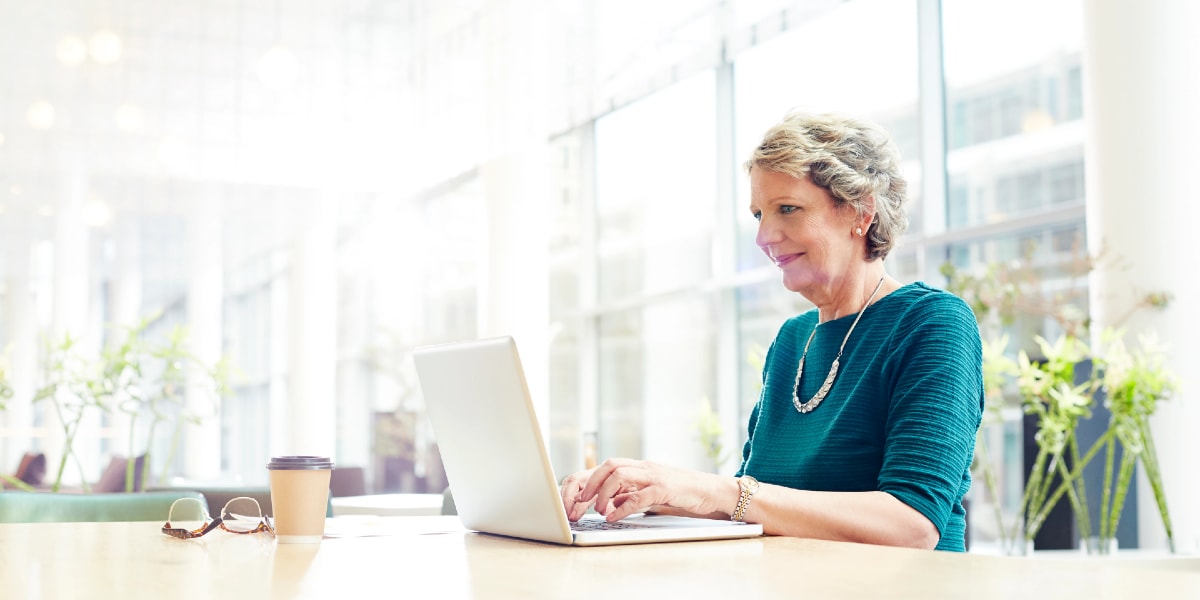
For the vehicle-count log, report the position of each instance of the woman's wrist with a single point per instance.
(726, 498)
(747, 488)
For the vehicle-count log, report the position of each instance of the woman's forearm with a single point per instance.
(867, 517)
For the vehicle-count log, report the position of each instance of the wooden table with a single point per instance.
(432, 557)
(388, 505)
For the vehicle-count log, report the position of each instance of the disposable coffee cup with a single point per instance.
(299, 496)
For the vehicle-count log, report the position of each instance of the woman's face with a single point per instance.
(803, 232)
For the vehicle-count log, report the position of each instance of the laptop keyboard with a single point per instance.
(602, 525)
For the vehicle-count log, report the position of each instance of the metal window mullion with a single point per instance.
(931, 110)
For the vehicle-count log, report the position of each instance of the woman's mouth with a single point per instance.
(782, 260)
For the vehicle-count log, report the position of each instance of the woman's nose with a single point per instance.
(766, 237)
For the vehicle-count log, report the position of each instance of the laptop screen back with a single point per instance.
(490, 441)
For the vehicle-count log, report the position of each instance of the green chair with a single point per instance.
(44, 507)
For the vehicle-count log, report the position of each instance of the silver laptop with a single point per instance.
(496, 461)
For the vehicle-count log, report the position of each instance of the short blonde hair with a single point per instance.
(853, 159)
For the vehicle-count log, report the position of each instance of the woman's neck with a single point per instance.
(854, 293)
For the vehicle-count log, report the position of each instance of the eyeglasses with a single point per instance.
(230, 520)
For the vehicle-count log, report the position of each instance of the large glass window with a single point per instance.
(655, 206)
(571, 192)
(1015, 171)
(659, 300)
(655, 191)
(877, 81)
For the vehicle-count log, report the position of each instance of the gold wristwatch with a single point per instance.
(748, 485)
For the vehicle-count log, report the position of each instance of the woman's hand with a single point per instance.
(620, 487)
(571, 486)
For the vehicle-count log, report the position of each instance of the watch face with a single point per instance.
(748, 483)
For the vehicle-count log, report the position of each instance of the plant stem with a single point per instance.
(1028, 509)
(1150, 461)
(17, 483)
(1128, 460)
(132, 453)
(67, 436)
(1045, 479)
(1062, 488)
(83, 483)
(1106, 498)
(1080, 503)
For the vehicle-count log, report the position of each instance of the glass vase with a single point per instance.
(1096, 546)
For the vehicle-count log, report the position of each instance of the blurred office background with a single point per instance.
(312, 188)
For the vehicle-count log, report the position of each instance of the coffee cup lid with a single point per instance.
(299, 463)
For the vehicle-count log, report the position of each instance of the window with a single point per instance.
(776, 76)
(655, 206)
(1015, 141)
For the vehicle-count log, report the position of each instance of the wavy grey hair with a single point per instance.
(855, 160)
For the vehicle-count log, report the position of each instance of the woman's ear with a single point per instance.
(866, 217)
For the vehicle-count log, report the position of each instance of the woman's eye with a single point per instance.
(785, 209)
(757, 215)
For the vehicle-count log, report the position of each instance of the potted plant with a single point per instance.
(1049, 387)
(1134, 381)
(136, 379)
(150, 383)
(74, 388)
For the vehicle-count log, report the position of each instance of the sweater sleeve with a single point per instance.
(936, 369)
(754, 413)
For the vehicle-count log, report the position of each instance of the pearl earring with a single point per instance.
(858, 231)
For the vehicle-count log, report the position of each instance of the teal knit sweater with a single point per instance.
(900, 418)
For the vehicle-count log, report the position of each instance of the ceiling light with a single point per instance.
(278, 69)
(105, 47)
(129, 117)
(71, 51)
(40, 115)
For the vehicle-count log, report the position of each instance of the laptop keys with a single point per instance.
(602, 525)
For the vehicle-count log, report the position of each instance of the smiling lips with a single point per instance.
(780, 261)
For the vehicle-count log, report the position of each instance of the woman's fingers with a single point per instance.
(570, 490)
(620, 487)
(599, 476)
(628, 503)
(631, 487)
(617, 488)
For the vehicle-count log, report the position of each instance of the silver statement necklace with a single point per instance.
(815, 401)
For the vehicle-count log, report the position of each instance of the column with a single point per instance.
(70, 252)
(513, 268)
(70, 310)
(205, 294)
(310, 408)
(1140, 93)
(125, 310)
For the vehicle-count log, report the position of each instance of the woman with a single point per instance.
(866, 424)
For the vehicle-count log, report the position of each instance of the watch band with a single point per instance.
(748, 486)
